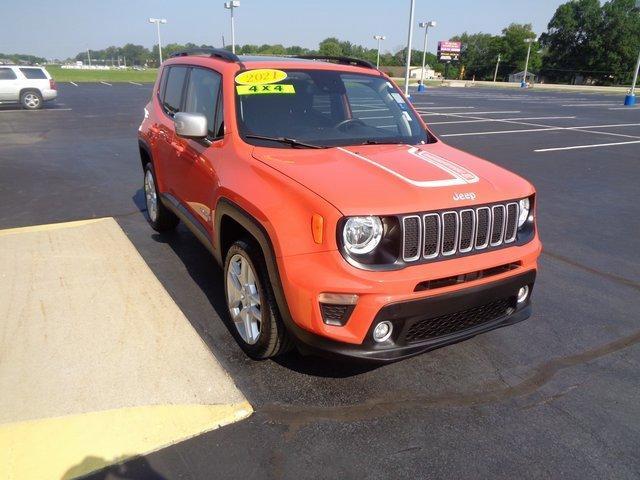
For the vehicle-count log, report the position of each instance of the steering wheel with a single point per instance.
(349, 121)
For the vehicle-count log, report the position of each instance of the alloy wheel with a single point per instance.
(31, 100)
(243, 299)
(151, 196)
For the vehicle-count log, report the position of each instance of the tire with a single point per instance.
(267, 336)
(31, 100)
(159, 217)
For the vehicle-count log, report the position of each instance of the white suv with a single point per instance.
(28, 86)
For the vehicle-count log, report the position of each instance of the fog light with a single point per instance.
(523, 293)
(382, 332)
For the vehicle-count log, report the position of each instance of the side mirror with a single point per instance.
(191, 125)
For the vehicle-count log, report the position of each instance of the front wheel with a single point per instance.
(259, 329)
(31, 100)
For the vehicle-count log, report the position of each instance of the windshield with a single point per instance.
(325, 108)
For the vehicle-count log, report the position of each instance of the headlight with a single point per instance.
(362, 234)
(524, 206)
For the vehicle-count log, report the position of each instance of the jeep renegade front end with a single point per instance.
(343, 225)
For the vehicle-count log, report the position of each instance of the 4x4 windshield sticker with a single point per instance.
(260, 76)
(265, 89)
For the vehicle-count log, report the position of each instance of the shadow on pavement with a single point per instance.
(206, 273)
(135, 468)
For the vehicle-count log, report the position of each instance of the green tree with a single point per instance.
(597, 42)
(572, 40)
(479, 54)
(331, 46)
(515, 48)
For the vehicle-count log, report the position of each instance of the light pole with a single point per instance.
(158, 21)
(379, 38)
(495, 74)
(523, 84)
(630, 99)
(425, 25)
(409, 40)
(231, 6)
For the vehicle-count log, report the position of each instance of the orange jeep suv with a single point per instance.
(343, 225)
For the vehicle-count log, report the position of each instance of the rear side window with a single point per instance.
(33, 73)
(202, 97)
(172, 96)
(7, 74)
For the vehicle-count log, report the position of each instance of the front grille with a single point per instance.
(458, 321)
(411, 246)
(456, 232)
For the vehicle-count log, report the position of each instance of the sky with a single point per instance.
(62, 28)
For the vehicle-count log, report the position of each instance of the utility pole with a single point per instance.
(379, 38)
(231, 6)
(425, 25)
(495, 74)
(89, 57)
(409, 40)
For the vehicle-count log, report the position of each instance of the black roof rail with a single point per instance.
(342, 60)
(211, 52)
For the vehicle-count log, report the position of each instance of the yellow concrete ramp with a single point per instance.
(97, 362)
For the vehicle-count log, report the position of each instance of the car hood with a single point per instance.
(393, 179)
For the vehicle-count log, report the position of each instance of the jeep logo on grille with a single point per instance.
(464, 196)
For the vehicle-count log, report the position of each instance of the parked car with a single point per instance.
(28, 86)
(342, 224)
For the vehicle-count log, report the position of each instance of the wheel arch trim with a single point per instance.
(226, 207)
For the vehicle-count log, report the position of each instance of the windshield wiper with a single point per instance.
(380, 142)
(289, 141)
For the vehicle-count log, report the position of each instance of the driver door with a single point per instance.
(199, 160)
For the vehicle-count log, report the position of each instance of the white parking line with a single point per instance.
(598, 104)
(456, 114)
(376, 118)
(585, 128)
(371, 110)
(135, 83)
(625, 108)
(498, 132)
(576, 147)
(74, 84)
(33, 111)
(105, 83)
(499, 120)
(448, 108)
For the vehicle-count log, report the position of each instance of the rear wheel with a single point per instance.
(31, 100)
(160, 217)
(259, 329)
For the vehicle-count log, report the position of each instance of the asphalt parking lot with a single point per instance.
(555, 396)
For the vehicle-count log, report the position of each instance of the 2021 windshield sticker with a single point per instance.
(260, 76)
(265, 89)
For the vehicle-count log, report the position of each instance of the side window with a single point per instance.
(173, 90)
(33, 73)
(202, 96)
(7, 74)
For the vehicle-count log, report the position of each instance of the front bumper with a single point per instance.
(406, 315)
